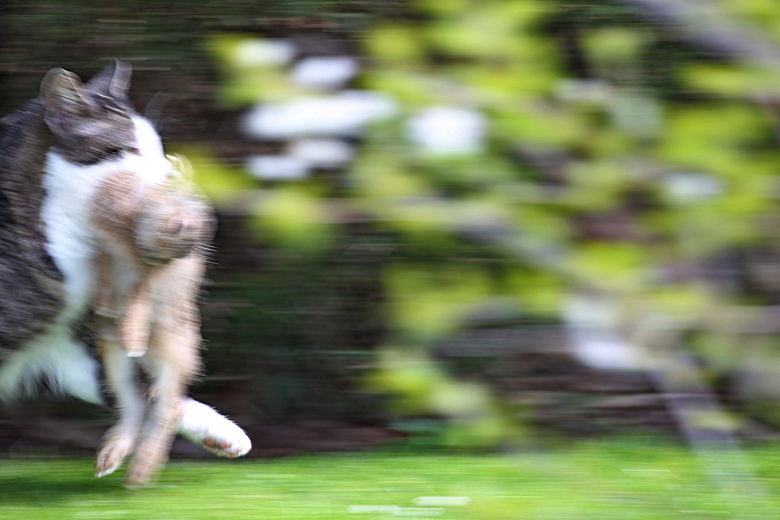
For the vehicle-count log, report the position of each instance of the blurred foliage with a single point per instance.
(652, 169)
(615, 155)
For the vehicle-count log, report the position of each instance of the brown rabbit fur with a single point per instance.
(150, 263)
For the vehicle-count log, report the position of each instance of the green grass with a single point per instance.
(595, 480)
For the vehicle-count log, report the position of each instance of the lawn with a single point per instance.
(589, 480)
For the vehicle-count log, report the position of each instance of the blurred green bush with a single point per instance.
(605, 164)
(609, 155)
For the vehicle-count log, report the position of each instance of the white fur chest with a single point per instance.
(70, 239)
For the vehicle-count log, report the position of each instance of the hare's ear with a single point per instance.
(113, 81)
(65, 101)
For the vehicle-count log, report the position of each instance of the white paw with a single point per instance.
(216, 433)
(236, 446)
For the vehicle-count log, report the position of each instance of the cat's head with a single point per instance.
(90, 123)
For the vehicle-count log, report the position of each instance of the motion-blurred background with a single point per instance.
(461, 223)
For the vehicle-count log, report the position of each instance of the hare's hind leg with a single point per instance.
(121, 375)
(170, 363)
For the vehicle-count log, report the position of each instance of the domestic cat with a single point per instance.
(54, 153)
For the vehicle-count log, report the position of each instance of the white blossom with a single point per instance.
(592, 323)
(256, 52)
(448, 131)
(322, 153)
(326, 73)
(690, 187)
(277, 167)
(339, 115)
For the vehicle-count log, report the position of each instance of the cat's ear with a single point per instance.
(113, 81)
(65, 101)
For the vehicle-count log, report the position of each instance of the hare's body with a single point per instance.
(151, 241)
(54, 153)
(142, 230)
(171, 357)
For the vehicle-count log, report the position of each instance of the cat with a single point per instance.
(54, 152)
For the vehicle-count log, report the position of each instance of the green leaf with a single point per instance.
(507, 81)
(614, 44)
(493, 30)
(410, 376)
(222, 184)
(294, 217)
(714, 137)
(467, 171)
(681, 303)
(725, 80)
(440, 7)
(621, 266)
(249, 71)
(539, 123)
(426, 302)
(480, 432)
(378, 177)
(540, 293)
(596, 186)
(543, 222)
(395, 43)
(407, 86)
(248, 87)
